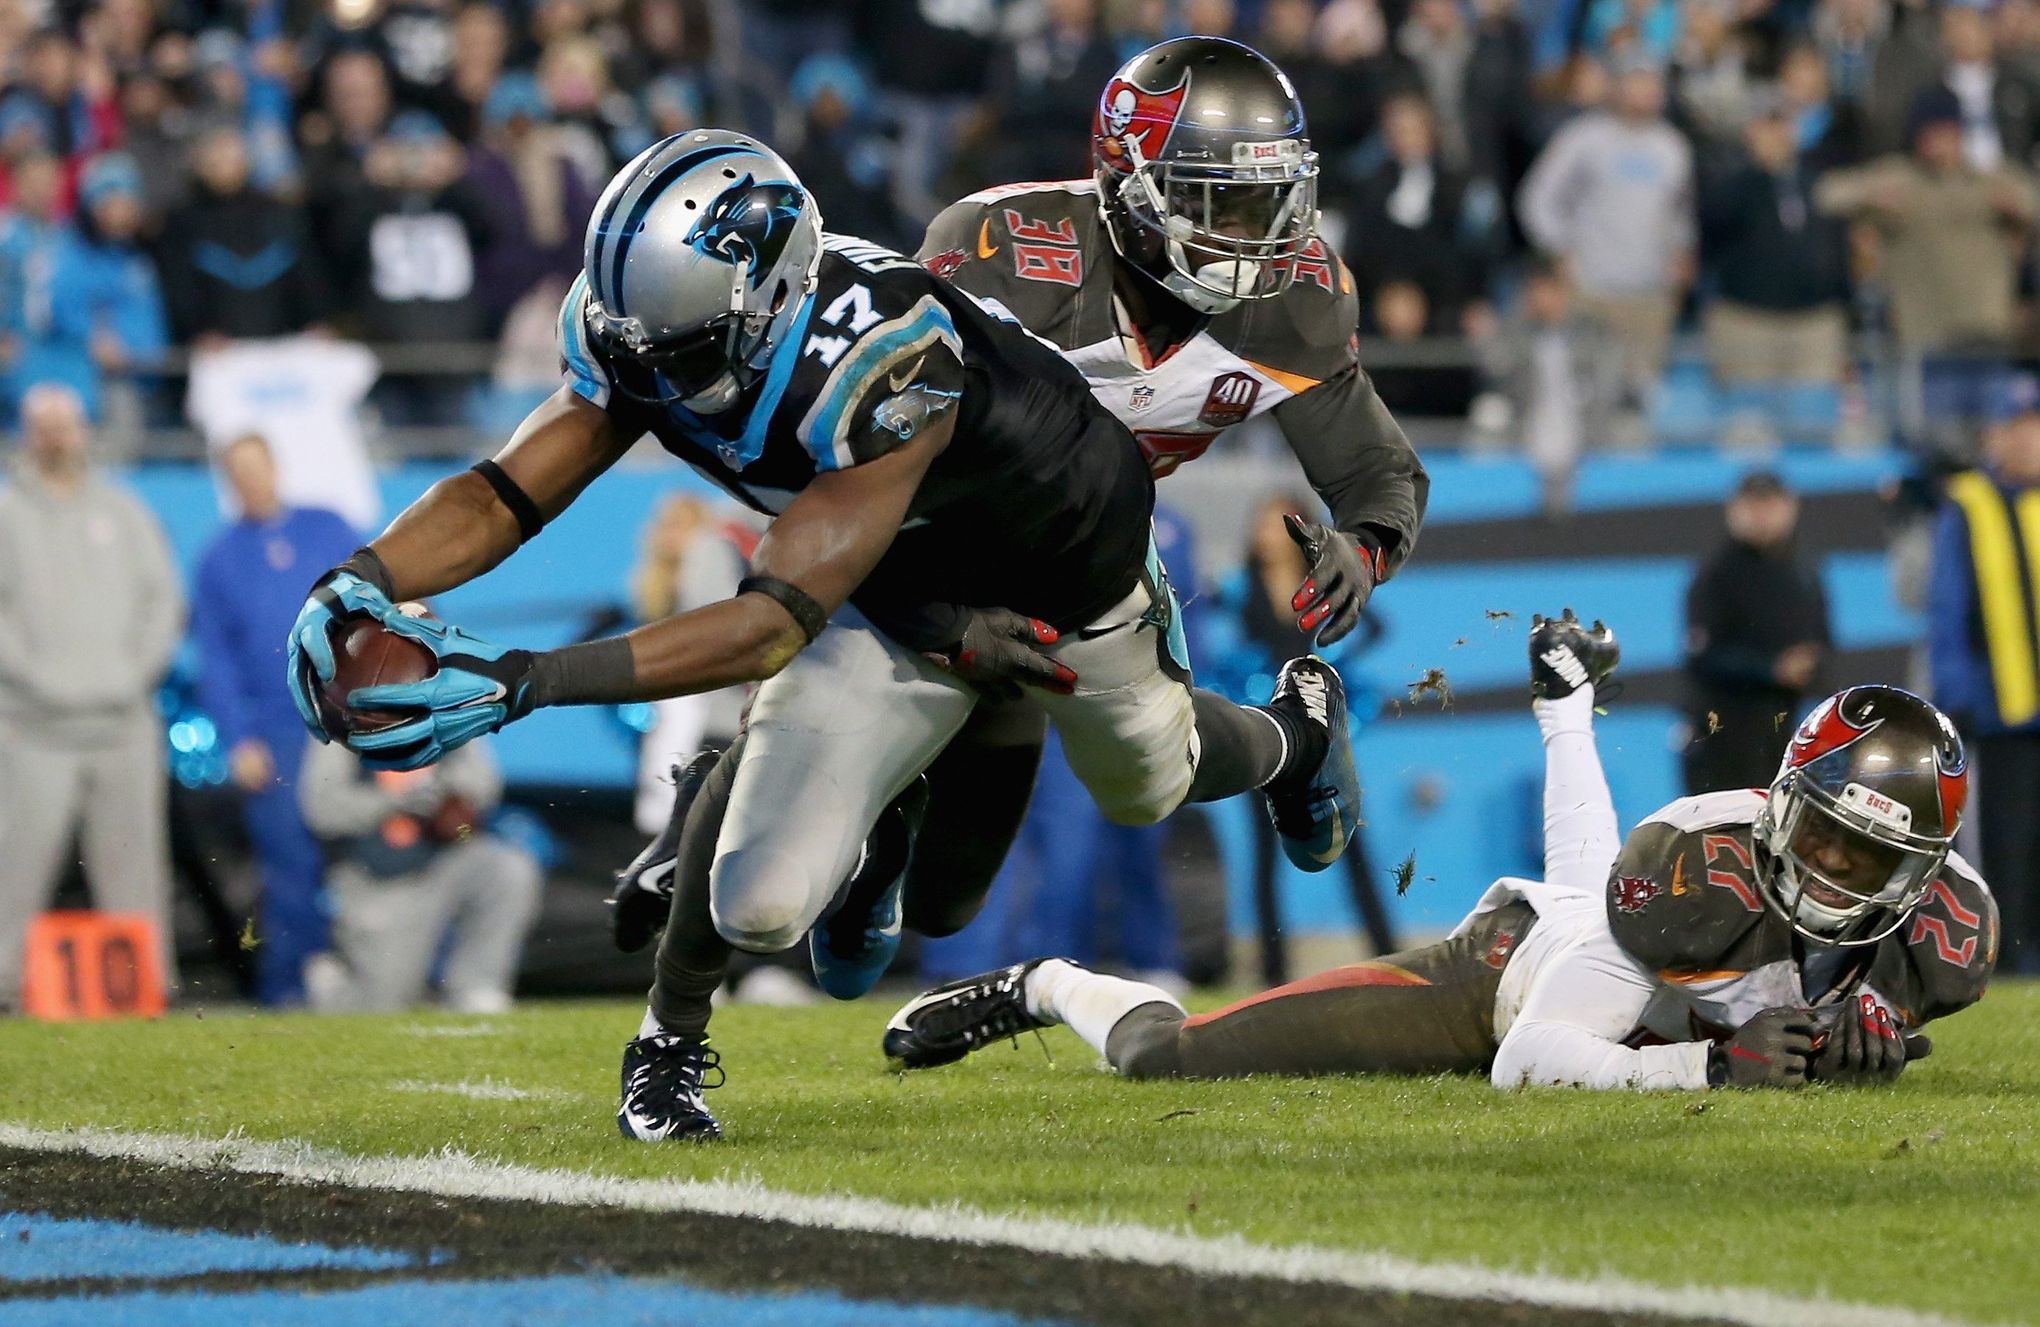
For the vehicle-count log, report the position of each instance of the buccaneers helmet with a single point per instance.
(1207, 178)
(1861, 815)
(699, 256)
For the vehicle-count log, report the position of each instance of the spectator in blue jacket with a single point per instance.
(31, 229)
(106, 312)
(251, 582)
(1984, 659)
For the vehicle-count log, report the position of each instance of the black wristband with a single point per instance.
(519, 503)
(596, 672)
(806, 612)
(367, 564)
(1717, 1064)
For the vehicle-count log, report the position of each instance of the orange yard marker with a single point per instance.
(92, 965)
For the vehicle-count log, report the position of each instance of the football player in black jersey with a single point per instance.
(1185, 279)
(929, 466)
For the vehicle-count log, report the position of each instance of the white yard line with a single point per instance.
(453, 1174)
(451, 1029)
(479, 1089)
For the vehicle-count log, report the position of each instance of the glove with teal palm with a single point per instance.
(477, 688)
(345, 591)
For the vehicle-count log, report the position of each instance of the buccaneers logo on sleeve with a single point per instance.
(1633, 893)
(1131, 113)
(944, 264)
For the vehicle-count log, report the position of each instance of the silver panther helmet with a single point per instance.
(1207, 178)
(699, 256)
(1861, 815)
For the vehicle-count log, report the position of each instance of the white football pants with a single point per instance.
(855, 717)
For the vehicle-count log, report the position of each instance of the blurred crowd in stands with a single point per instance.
(1538, 180)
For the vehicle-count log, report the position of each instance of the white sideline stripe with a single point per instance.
(479, 1089)
(458, 1175)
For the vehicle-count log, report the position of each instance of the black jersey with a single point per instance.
(1041, 501)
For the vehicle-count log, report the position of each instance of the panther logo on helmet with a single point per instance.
(749, 225)
(1129, 112)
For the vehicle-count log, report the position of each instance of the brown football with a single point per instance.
(367, 654)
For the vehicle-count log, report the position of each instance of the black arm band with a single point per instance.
(365, 563)
(806, 612)
(596, 672)
(529, 522)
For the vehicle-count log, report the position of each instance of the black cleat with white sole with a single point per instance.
(1316, 809)
(663, 1079)
(1566, 655)
(944, 1025)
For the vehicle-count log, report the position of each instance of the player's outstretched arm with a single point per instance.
(816, 553)
(462, 527)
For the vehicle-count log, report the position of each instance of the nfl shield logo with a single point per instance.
(1143, 397)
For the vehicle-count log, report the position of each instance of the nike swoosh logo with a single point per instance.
(898, 381)
(646, 1127)
(1093, 633)
(1338, 837)
(985, 246)
(500, 693)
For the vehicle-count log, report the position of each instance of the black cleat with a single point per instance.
(663, 1079)
(1316, 811)
(1565, 656)
(944, 1025)
(643, 897)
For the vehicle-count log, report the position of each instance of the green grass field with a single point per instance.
(1926, 1195)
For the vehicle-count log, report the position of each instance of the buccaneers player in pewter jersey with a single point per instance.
(1755, 938)
(1187, 281)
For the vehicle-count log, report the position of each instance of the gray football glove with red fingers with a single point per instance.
(1001, 650)
(1773, 1049)
(1340, 577)
(1865, 1048)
